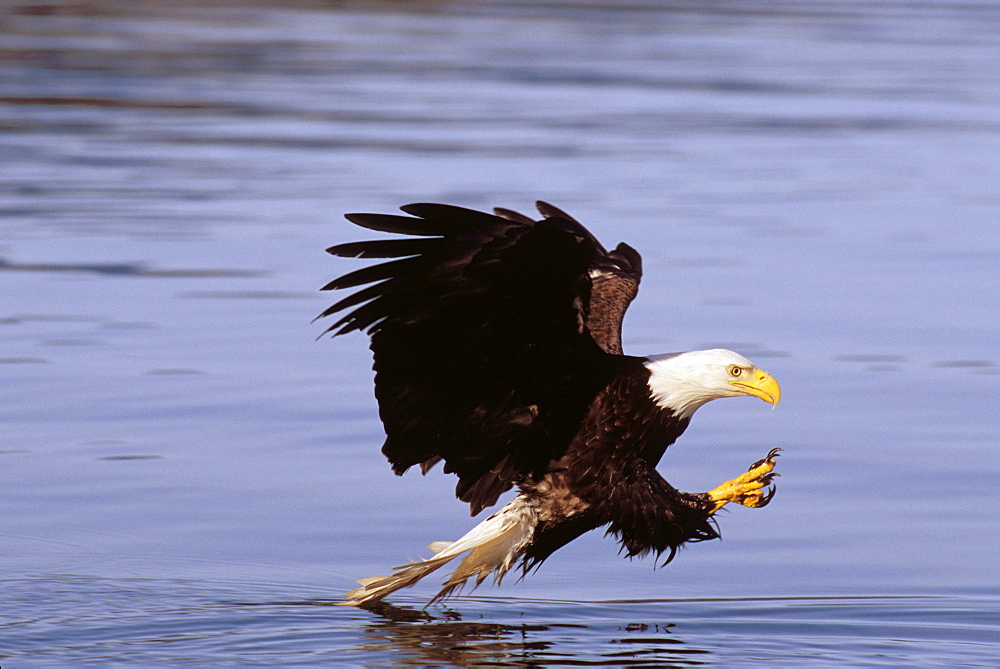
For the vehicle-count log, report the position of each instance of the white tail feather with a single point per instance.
(438, 546)
(495, 545)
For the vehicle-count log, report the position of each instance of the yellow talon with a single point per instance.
(748, 489)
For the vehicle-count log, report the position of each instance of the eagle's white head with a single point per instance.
(682, 382)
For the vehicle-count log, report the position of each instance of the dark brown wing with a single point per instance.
(482, 357)
(614, 284)
(614, 275)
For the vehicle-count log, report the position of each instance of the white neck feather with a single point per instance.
(683, 382)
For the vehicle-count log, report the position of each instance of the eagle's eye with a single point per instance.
(735, 370)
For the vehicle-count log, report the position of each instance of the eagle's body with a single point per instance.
(497, 344)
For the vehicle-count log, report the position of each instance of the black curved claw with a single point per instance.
(771, 455)
(766, 499)
(766, 478)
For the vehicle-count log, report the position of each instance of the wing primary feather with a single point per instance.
(450, 220)
(367, 316)
(552, 213)
(512, 215)
(383, 248)
(400, 225)
(363, 295)
(373, 273)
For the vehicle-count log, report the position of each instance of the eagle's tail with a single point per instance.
(495, 545)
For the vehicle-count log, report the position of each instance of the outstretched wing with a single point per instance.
(478, 327)
(614, 280)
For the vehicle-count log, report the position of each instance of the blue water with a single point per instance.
(189, 476)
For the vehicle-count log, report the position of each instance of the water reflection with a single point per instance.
(416, 637)
(156, 622)
(453, 642)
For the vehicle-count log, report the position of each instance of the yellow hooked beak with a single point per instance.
(760, 384)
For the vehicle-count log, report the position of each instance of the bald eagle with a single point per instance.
(497, 347)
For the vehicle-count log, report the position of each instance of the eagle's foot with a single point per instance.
(749, 489)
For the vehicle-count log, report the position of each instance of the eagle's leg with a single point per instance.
(748, 489)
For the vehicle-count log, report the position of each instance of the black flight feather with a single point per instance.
(383, 248)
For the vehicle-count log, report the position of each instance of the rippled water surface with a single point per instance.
(189, 476)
